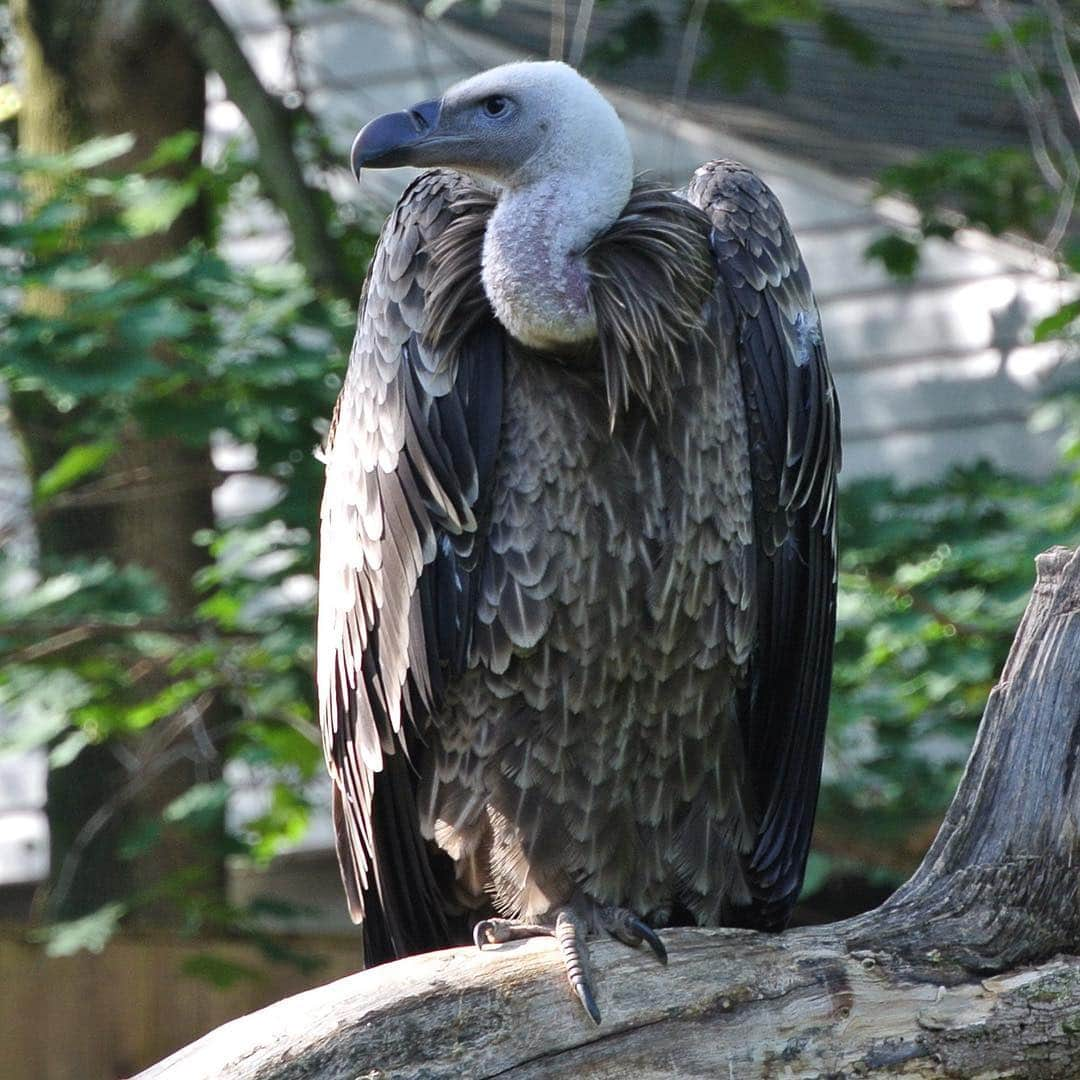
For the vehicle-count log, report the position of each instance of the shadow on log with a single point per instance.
(964, 972)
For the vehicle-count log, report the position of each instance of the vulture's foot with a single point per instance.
(567, 930)
(570, 932)
(630, 930)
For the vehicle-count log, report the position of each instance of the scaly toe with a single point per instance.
(499, 931)
(576, 958)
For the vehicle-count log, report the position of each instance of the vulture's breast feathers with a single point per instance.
(649, 279)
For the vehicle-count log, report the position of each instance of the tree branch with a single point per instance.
(959, 974)
(282, 174)
(53, 637)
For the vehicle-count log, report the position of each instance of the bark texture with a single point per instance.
(965, 972)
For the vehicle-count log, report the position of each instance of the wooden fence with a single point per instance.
(108, 1015)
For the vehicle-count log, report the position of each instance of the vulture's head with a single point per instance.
(514, 125)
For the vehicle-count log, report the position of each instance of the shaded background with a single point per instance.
(181, 251)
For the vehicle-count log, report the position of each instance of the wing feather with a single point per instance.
(793, 424)
(409, 458)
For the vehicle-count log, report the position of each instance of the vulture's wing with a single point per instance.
(793, 424)
(409, 458)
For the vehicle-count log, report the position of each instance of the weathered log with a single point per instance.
(964, 972)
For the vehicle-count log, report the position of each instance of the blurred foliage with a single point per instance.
(741, 41)
(195, 348)
(736, 42)
(1029, 190)
(997, 191)
(933, 581)
(749, 39)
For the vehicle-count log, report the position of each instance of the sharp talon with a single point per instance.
(479, 934)
(650, 936)
(581, 988)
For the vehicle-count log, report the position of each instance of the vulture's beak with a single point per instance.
(396, 138)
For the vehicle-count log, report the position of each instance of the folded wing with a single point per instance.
(409, 460)
(793, 423)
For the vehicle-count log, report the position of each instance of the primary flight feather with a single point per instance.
(578, 575)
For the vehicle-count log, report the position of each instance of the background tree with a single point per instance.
(126, 356)
(86, 74)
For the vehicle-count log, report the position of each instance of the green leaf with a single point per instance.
(284, 823)
(151, 323)
(84, 277)
(68, 749)
(1057, 324)
(139, 839)
(39, 705)
(152, 205)
(997, 190)
(172, 150)
(845, 34)
(97, 152)
(72, 467)
(199, 803)
(169, 701)
(91, 933)
(896, 253)
(641, 33)
(744, 45)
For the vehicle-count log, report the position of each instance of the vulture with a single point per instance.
(577, 585)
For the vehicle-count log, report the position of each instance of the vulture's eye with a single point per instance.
(495, 105)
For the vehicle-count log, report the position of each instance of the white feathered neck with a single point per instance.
(569, 191)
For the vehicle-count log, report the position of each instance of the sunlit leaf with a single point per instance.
(151, 206)
(199, 805)
(72, 467)
(91, 933)
(38, 705)
(172, 150)
(68, 749)
(10, 101)
(96, 152)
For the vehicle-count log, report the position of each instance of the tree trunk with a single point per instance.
(959, 974)
(94, 68)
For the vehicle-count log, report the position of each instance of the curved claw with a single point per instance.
(480, 934)
(650, 936)
(584, 994)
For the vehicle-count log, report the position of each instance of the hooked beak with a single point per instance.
(394, 139)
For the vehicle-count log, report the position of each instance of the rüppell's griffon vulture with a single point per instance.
(578, 570)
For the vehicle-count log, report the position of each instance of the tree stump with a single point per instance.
(964, 972)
